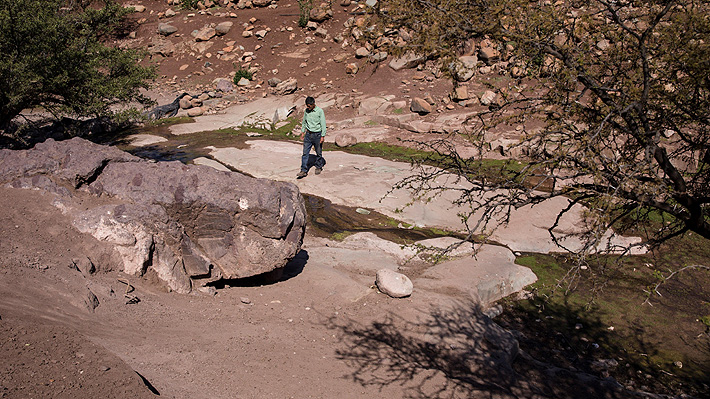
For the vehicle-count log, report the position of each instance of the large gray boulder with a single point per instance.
(190, 224)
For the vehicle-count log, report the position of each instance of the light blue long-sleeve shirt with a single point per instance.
(314, 121)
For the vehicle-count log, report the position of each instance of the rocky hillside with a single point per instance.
(194, 49)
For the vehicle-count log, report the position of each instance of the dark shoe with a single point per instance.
(318, 170)
(301, 175)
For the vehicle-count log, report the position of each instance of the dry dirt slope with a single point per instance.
(43, 301)
(283, 53)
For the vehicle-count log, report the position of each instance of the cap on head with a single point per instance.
(310, 100)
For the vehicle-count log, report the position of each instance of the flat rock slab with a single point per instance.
(365, 182)
(362, 261)
(361, 135)
(454, 246)
(527, 230)
(348, 269)
(250, 113)
(490, 275)
(325, 282)
(141, 140)
(371, 241)
(340, 270)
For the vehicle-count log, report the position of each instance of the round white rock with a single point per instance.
(394, 284)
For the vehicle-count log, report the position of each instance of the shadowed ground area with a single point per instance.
(455, 351)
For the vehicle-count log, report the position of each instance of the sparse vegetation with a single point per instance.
(242, 73)
(341, 235)
(189, 4)
(304, 12)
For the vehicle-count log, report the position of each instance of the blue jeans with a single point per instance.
(312, 140)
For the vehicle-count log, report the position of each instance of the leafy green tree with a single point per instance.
(614, 101)
(53, 56)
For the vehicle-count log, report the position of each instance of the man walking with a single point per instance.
(313, 135)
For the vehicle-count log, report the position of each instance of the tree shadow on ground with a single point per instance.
(569, 337)
(459, 352)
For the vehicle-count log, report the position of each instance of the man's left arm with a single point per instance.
(322, 123)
